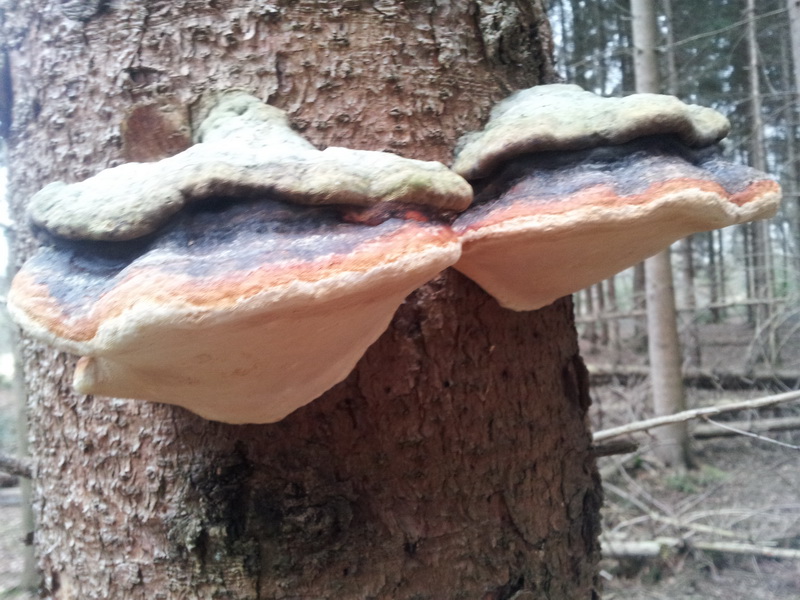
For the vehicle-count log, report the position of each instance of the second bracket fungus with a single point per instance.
(193, 281)
(572, 188)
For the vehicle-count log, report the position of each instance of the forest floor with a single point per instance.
(11, 544)
(743, 490)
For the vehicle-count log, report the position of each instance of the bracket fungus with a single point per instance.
(571, 188)
(238, 278)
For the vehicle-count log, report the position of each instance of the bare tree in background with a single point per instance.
(672, 442)
(760, 255)
(791, 186)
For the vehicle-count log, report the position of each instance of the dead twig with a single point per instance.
(613, 448)
(696, 413)
(21, 467)
(750, 434)
(621, 548)
(703, 432)
(605, 374)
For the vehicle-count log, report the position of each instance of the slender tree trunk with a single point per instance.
(713, 276)
(582, 45)
(673, 81)
(792, 188)
(602, 317)
(600, 66)
(722, 271)
(759, 231)
(454, 462)
(672, 442)
(590, 331)
(613, 307)
(630, 77)
(29, 577)
(786, 275)
(691, 337)
(563, 50)
(639, 303)
(626, 61)
(644, 28)
(793, 7)
(748, 247)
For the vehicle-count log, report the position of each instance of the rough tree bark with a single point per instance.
(454, 462)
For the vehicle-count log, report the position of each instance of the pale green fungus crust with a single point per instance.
(244, 148)
(561, 117)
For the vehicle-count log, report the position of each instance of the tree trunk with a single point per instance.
(29, 577)
(793, 6)
(673, 81)
(722, 276)
(791, 190)
(759, 231)
(580, 41)
(691, 334)
(672, 442)
(602, 319)
(564, 51)
(590, 330)
(454, 462)
(713, 276)
(613, 308)
(639, 302)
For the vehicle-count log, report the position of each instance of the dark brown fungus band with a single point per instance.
(572, 188)
(205, 288)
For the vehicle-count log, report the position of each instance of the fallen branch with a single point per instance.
(20, 467)
(695, 378)
(756, 436)
(614, 447)
(638, 548)
(704, 432)
(659, 546)
(696, 413)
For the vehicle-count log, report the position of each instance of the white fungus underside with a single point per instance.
(529, 262)
(276, 351)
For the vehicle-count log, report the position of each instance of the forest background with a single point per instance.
(736, 292)
(706, 59)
